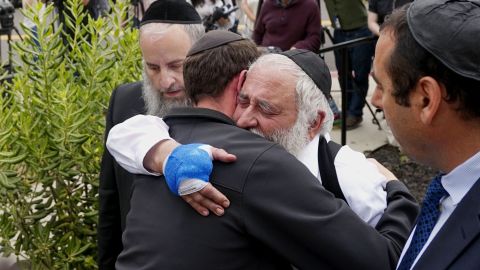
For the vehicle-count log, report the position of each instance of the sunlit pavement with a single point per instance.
(367, 136)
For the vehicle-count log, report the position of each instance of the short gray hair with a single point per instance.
(308, 97)
(194, 31)
(311, 99)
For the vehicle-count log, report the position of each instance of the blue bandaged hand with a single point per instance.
(188, 168)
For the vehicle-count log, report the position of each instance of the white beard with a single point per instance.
(155, 101)
(293, 139)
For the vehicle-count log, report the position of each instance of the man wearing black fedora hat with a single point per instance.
(427, 68)
(167, 31)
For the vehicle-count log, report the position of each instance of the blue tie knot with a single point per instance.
(435, 192)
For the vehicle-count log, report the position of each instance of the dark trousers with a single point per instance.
(359, 65)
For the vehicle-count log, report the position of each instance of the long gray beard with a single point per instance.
(293, 139)
(156, 103)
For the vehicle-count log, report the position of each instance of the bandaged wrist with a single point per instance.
(188, 162)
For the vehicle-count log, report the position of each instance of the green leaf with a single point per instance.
(5, 182)
(81, 250)
(14, 160)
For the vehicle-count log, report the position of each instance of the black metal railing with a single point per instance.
(343, 48)
(8, 66)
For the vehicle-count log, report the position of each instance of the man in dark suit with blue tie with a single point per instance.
(427, 69)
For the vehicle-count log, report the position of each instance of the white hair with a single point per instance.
(194, 31)
(311, 99)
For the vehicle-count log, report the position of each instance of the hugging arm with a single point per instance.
(313, 229)
(142, 144)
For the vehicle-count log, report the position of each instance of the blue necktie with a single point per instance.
(427, 220)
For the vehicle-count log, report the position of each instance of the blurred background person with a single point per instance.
(139, 8)
(349, 20)
(216, 14)
(249, 8)
(289, 24)
(379, 9)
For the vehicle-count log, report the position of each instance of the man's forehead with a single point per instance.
(384, 49)
(157, 31)
(272, 68)
(164, 44)
(268, 91)
(255, 81)
(381, 61)
(261, 79)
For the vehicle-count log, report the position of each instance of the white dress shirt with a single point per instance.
(457, 183)
(360, 181)
(129, 141)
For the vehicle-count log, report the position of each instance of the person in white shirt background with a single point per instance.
(249, 8)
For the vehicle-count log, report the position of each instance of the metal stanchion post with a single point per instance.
(343, 48)
(344, 53)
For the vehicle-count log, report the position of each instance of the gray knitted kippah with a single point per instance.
(450, 31)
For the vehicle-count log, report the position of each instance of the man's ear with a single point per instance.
(316, 125)
(232, 86)
(241, 80)
(428, 98)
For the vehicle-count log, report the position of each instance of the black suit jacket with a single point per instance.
(279, 213)
(457, 244)
(115, 182)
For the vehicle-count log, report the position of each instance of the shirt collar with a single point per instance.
(189, 112)
(461, 179)
(309, 154)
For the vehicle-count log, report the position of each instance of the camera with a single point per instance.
(6, 14)
(218, 20)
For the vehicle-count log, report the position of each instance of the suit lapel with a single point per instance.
(456, 234)
(131, 104)
(138, 103)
